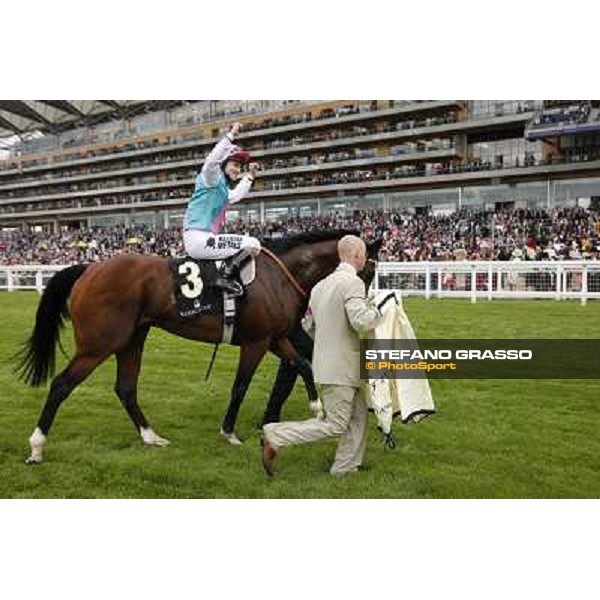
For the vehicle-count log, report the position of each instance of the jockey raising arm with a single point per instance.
(225, 149)
(220, 184)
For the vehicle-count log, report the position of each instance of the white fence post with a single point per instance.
(427, 281)
(474, 283)
(584, 285)
(26, 277)
(39, 284)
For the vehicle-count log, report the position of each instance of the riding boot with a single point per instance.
(233, 264)
(230, 267)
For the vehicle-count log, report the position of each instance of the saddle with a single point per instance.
(198, 287)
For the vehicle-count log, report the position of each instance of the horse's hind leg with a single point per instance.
(62, 385)
(129, 362)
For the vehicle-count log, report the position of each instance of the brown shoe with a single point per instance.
(268, 456)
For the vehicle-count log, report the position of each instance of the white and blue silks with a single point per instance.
(409, 399)
(207, 208)
(211, 198)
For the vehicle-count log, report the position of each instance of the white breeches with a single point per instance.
(206, 245)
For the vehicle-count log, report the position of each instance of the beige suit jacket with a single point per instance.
(338, 312)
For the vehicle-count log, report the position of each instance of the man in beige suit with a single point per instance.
(338, 312)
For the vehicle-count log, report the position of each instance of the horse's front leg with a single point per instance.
(285, 350)
(250, 357)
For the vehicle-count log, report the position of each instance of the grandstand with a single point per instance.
(78, 164)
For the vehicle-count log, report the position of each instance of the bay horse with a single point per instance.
(114, 303)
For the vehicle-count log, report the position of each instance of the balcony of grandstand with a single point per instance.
(317, 157)
(563, 118)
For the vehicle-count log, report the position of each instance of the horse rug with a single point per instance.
(409, 399)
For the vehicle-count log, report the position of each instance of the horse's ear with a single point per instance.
(374, 247)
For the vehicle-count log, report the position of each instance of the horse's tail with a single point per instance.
(36, 360)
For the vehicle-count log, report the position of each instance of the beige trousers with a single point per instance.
(345, 417)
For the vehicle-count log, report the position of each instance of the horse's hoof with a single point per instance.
(316, 407)
(33, 461)
(233, 439)
(151, 439)
(161, 442)
(158, 441)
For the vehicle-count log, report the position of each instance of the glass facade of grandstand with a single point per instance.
(318, 158)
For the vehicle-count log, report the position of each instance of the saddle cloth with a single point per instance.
(193, 289)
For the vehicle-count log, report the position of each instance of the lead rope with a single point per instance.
(389, 441)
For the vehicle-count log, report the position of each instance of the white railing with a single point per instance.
(27, 277)
(475, 280)
(493, 279)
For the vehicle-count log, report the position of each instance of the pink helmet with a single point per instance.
(236, 153)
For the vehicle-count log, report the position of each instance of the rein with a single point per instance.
(286, 271)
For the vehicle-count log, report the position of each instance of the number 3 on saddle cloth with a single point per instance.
(194, 290)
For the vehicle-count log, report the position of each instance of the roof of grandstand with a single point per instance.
(19, 117)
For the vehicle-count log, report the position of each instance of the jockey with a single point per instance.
(206, 210)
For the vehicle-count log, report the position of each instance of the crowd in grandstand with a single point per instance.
(571, 115)
(566, 233)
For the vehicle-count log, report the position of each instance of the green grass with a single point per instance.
(489, 439)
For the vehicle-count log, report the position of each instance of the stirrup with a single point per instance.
(232, 287)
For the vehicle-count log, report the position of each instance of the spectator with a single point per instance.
(560, 234)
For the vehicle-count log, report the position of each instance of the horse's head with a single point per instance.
(368, 273)
(311, 256)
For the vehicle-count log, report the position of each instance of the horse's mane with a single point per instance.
(281, 245)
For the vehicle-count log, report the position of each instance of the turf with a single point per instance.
(515, 439)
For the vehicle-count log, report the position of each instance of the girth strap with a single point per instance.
(229, 306)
